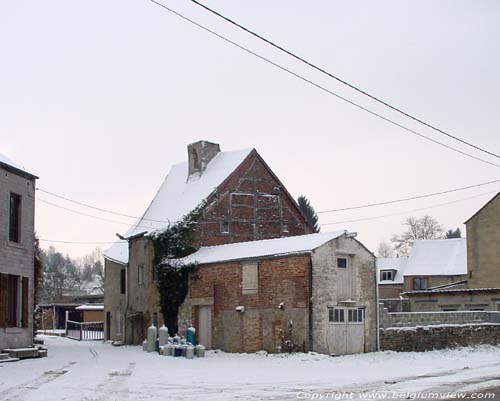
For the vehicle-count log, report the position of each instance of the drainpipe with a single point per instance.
(378, 307)
(310, 303)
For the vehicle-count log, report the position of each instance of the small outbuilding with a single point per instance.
(315, 292)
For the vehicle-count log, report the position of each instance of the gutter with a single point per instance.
(310, 336)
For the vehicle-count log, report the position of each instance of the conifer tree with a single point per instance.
(308, 210)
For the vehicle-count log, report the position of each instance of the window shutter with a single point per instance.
(250, 278)
(26, 298)
(3, 300)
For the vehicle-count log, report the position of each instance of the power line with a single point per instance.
(78, 242)
(412, 131)
(408, 211)
(323, 71)
(408, 199)
(100, 209)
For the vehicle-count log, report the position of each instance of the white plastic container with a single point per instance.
(190, 352)
(145, 345)
(162, 335)
(152, 334)
(200, 351)
(168, 350)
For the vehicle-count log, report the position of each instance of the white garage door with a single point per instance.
(346, 330)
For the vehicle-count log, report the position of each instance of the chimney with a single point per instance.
(200, 154)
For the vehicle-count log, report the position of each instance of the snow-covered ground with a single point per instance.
(98, 371)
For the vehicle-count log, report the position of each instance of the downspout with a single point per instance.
(377, 306)
(310, 303)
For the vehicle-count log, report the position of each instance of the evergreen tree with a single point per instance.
(308, 210)
(453, 233)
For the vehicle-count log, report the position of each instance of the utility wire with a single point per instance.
(78, 242)
(319, 86)
(408, 199)
(100, 209)
(408, 211)
(329, 74)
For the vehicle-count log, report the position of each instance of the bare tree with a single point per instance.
(427, 227)
(384, 250)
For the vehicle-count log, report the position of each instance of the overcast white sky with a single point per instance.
(99, 98)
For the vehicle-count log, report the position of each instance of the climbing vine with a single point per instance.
(176, 241)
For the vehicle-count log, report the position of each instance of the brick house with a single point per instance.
(317, 290)
(244, 201)
(17, 210)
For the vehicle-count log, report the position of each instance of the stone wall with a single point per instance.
(424, 331)
(427, 338)
(483, 252)
(17, 258)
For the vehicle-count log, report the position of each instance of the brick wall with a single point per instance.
(17, 258)
(283, 279)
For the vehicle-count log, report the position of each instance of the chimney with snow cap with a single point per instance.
(200, 154)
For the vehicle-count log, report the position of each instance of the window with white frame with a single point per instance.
(345, 315)
(140, 274)
(387, 275)
(224, 227)
(250, 277)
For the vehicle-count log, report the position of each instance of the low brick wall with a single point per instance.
(426, 338)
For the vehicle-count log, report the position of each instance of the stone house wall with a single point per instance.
(461, 301)
(483, 249)
(17, 258)
(329, 288)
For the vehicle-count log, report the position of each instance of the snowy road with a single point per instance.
(96, 371)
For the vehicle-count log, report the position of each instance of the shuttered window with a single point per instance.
(249, 278)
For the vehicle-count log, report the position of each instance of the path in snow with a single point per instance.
(94, 371)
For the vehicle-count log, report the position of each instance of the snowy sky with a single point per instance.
(100, 98)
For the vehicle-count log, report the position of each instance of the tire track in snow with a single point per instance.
(114, 387)
(15, 393)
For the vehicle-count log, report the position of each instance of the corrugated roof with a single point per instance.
(178, 195)
(262, 248)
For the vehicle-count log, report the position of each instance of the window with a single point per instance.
(123, 276)
(342, 263)
(15, 218)
(224, 227)
(336, 315)
(387, 275)
(285, 228)
(355, 315)
(419, 283)
(249, 283)
(154, 274)
(13, 304)
(140, 274)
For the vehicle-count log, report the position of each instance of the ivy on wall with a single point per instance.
(176, 241)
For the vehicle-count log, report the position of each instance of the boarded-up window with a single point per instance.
(250, 278)
(12, 301)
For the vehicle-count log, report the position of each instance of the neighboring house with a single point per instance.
(17, 207)
(432, 265)
(483, 245)
(244, 201)
(390, 278)
(317, 291)
(481, 289)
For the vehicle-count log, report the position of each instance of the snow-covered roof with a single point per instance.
(262, 248)
(437, 257)
(90, 307)
(178, 195)
(396, 264)
(9, 162)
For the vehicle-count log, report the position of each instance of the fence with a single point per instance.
(84, 330)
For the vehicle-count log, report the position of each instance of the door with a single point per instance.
(108, 326)
(205, 326)
(346, 331)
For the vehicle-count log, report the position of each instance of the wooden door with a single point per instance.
(205, 326)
